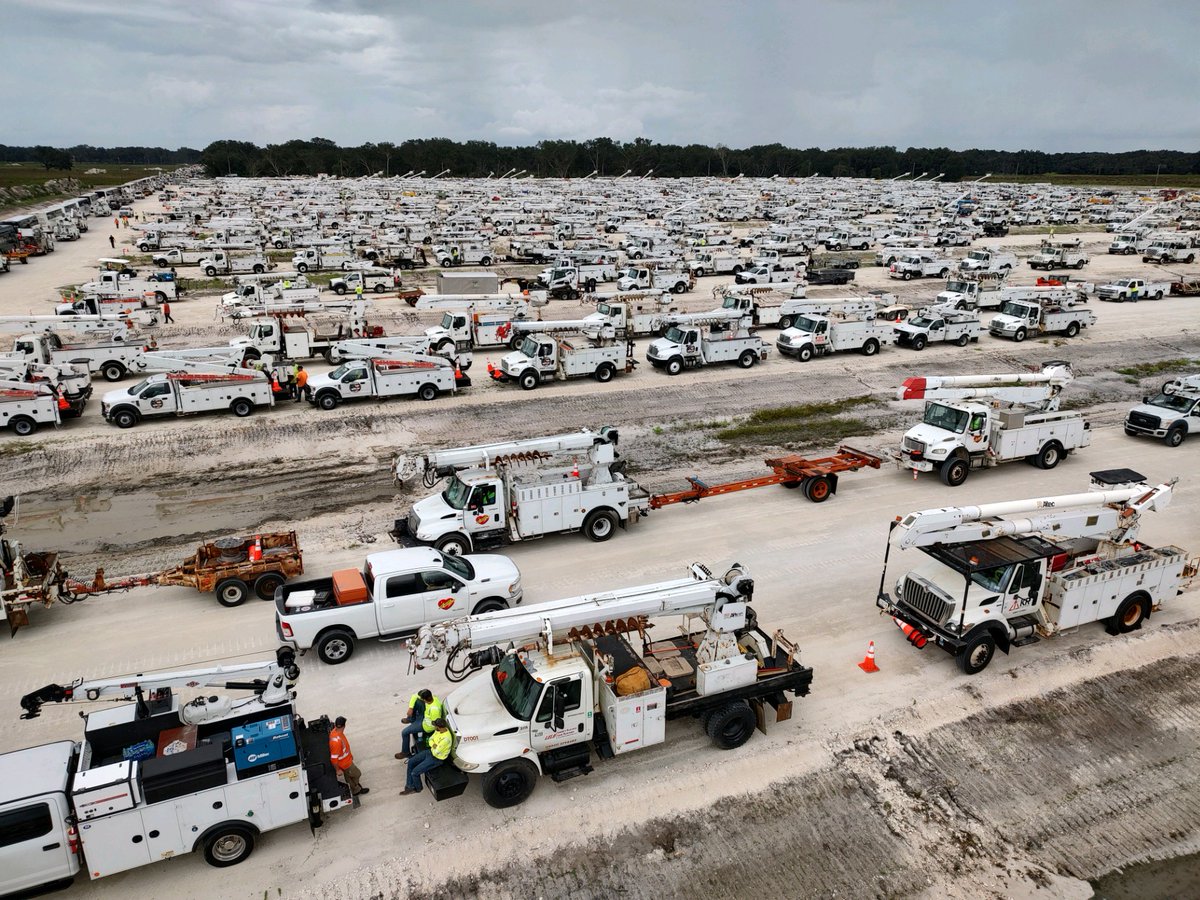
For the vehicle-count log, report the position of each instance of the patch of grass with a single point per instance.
(807, 410)
(19, 448)
(802, 423)
(1145, 370)
(21, 174)
(1150, 181)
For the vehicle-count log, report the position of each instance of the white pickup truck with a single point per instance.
(396, 593)
(1133, 289)
(635, 278)
(376, 280)
(766, 275)
(183, 393)
(934, 325)
(399, 375)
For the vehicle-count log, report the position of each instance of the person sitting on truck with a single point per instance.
(441, 742)
(343, 759)
(424, 708)
(303, 391)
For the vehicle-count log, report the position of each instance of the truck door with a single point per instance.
(485, 511)
(567, 694)
(937, 330)
(545, 356)
(355, 382)
(402, 606)
(158, 398)
(442, 596)
(691, 343)
(1024, 589)
(34, 849)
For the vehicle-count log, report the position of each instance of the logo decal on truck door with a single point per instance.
(481, 519)
(445, 603)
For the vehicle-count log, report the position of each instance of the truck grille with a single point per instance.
(913, 445)
(925, 601)
(1141, 420)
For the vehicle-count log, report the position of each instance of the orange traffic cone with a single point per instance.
(575, 469)
(911, 634)
(868, 663)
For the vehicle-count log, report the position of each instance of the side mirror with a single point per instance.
(558, 702)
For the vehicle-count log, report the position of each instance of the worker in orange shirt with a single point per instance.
(303, 391)
(343, 759)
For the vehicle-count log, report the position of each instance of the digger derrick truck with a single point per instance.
(572, 685)
(980, 421)
(1004, 575)
(519, 490)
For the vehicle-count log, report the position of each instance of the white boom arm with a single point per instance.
(1111, 515)
(115, 326)
(1027, 388)
(722, 602)
(443, 462)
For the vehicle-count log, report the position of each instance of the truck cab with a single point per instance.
(1017, 319)
(988, 261)
(1172, 414)
(38, 842)
(945, 430)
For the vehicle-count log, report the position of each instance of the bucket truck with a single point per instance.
(25, 406)
(546, 357)
(288, 336)
(1003, 575)
(692, 346)
(548, 687)
(161, 776)
(116, 280)
(42, 343)
(519, 490)
(203, 388)
(996, 419)
(1018, 319)
(70, 381)
(1171, 414)
(394, 375)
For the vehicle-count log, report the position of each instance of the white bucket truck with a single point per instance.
(398, 375)
(692, 346)
(182, 393)
(819, 335)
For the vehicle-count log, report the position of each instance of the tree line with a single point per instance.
(68, 157)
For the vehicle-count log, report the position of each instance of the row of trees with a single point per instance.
(608, 157)
(64, 157)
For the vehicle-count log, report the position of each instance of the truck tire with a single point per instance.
(962, 341)
(1129, 251)
(943, 273)
(259, 269)
(731, 725)
(160, 297)
(241, 407)
(1020, 335)
(22, 426)
(975, 656)
(302, 268)
(334, 646)
(674, 365)
(486, 261)
(379, 287)
(818, 488)
(447, 262)
(953, 472)
(699, 272)
(1158, 295)
(737, 270)
(1176, 435)
(678, 287)
(509, 783)
(1049, 456)
(600, 525)
(528, 380)
(266, 584)
(428, 391)
(918, 342)
(339, 289)
(279, 245)
(328, 400)
(228, 845)
(1129, 616)
(161, 262)
(871, 347)
(747, 359)
(785, 322)
(231, 592)
(908, 276)
(605, 373)
(112, 371)
(1191, 258)
(125, 418)
(491, 604)
(453, 545)
(1079, 264)
(805, 353)
(1072, 329)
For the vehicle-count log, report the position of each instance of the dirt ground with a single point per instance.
(1063, 762)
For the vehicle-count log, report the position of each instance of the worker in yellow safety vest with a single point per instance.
(423, 708)
(441, 742)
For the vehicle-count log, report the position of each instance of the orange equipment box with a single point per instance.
(349, 587)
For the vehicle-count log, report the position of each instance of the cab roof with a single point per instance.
(35, 771)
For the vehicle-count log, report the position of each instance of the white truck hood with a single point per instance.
(316, 382)
(109, 398)
(661, 348)
(794, 337)
(430, 510)
(910, 329)
(1005, 322)
(515, 363)
(494, 569)
(477, 715)
(932, 436)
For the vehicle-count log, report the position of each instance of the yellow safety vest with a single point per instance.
(433, 710)
(440, 744)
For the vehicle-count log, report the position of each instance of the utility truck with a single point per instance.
(766, 275)
(1177, 249)
(182, 393)
(921, 265)
(398, 375)
(374, 280)
(288, 336)
(462, 255)
(547, 357)
(465, 330)
(641, 279)
(314, 258)
(981, 421)
(939, 325)
(819, 335)
(1171, 414)
(1008, 574)
(395, 593)
(1018, 319)
(988, 261)
(1127, 243)
(716, 264)
(124, 283)
(71, 382)
(1059, 256)
(1133, 290)
(572, 684)
(520, 490)
(113, 359)
(692, 346)
(178, 256)
(761, 308)
(24, 406)
(162, 776)
(222, 262)
(571, 280)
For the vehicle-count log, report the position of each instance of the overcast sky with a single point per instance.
(1003, 74)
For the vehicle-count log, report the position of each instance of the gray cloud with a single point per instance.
(1005, 74)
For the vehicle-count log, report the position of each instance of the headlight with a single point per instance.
(951, 626)
(515, 587)
(937, 451)
(465, 766)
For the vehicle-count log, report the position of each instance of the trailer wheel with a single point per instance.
(335, 646)
(1020, 335)
(747, 359)
(818, 489)
(509, 783)
(605, 372)
(453, 545)
(731, 726)
(1049, 456)
(266, 584)
(528, 380)
(231, 592)
(1129, 616)
(1072, 329)
(112, 371)
(805, 353)
(962, 340)
(975, 656)
(428, 392)
(674, 365)
(22, 426)
(228, 845)
(918, 342)
(600, 525)
(954, 472)
(870, 348)
(241, 407)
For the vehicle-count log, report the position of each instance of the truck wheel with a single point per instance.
(339, 289)
(1176, 435)
(125, 418)
(379, 287)
(1129, 251)
(600, 525)
(818, 488)
(908, 276)
(1158, 295)
(785, 322)
(731, 726)
(241, 407)
(302, 267)
(231, 592)
(509, 783)
(747, 359)
(160, 297)
(528, 380)
(674, 365)
(428, 392)
(335, 646)
(447, 261)
(975, 656)
(1130, 614)
(265, 585)
(1079, 264)
(700, 272)
(962, 340)
(943, 273)
(327, 400)
(870, 348)
(279, 245)
(918, 342)
(954, 472)
(486, 261)
(605, 372)
(228, 845)
(1049, 456)
(453, 545)
(1072, 329)
(805, 353)
(1191, 258)
(737, 270)
(22, 426)
(112, 371)
(1020, 335)
(211, 271)
(492, 604)
(258, 269)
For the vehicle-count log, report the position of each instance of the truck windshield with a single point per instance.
(604, 309)
(459, 566)
(456, 493)
(731, 303)
(959, 287)
(921, 322)
(804, 323)
(1014, 309)
(674, 335)
(993, 579)
(336, 374)
(448, 321)
(979, 255)
(529, 347)
(946, 417)
(516, 688)
(1173, 402)
(136, 390)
